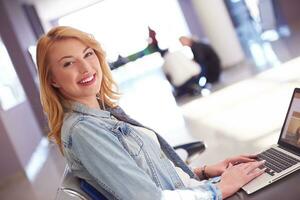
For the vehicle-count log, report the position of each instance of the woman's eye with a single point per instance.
(66, 64)
(88, 54)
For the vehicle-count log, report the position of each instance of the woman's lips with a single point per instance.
(88, 81)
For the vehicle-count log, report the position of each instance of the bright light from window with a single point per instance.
(122, 26)
(11, 90)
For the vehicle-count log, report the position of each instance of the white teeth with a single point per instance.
(87, 79)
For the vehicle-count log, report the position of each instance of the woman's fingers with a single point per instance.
(246, 159)
(235, 176)
(253, 165)
(230, 165)
(253, 156)
(241, 159)
(257, 172)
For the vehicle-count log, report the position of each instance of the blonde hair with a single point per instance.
(52, 100)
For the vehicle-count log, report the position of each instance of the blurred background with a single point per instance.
(256, 42)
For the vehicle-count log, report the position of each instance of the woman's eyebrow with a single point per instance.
(85, 49)
(64, 57)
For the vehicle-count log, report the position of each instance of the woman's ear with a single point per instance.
(54, 84)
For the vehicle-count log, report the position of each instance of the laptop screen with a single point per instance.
(290, 133)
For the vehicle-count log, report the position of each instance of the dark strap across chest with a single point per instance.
(166, 148)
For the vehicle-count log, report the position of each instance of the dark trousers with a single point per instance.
(189, 87)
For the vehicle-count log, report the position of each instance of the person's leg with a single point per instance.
(191, 87)
(213, 71)
(203, 70)
(182, 90)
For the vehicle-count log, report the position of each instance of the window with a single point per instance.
(122, 26)
(11, 90)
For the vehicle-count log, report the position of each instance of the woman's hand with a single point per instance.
(219, 168)
(236, 176)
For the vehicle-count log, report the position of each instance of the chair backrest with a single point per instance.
(92, 192)
(70, 188)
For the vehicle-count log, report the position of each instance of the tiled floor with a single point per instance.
(242, 115)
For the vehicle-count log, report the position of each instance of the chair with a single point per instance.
(193, 149)
(70, 188)
(73, 188)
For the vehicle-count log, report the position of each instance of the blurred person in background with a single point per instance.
(206, 57)
(182, 73)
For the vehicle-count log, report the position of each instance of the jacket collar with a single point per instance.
(81, 108)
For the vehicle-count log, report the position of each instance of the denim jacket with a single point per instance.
(101, 147)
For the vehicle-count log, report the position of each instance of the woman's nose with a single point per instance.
(83, 66)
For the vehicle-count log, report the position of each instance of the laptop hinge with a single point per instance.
(289, 150)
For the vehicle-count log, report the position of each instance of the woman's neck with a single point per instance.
(91, 103)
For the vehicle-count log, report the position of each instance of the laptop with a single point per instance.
(282, 158)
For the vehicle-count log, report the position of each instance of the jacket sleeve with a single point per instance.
(114, 169)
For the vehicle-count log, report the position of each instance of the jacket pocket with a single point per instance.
(131, 142)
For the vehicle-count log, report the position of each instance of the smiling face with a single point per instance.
(75, 71)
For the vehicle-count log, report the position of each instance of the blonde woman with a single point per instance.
(102, 145)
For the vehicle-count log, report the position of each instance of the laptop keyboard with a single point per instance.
(276, 161)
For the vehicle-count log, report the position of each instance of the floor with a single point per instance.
(242, 114)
